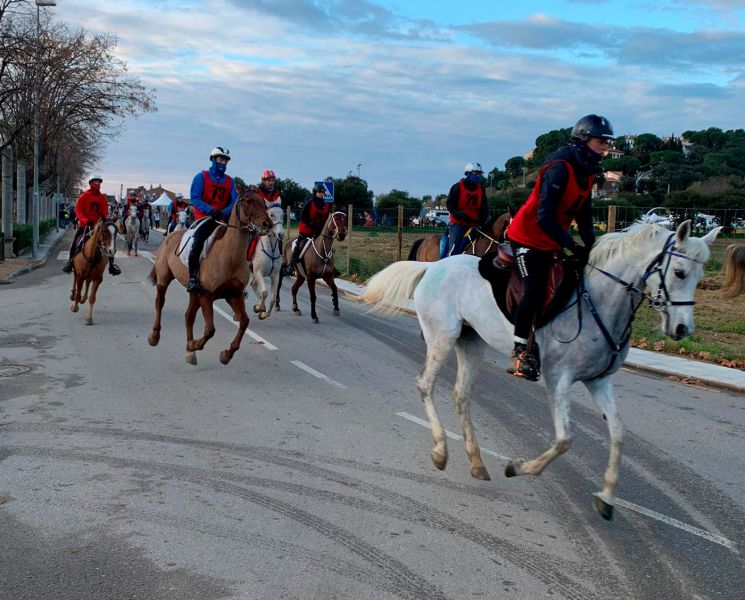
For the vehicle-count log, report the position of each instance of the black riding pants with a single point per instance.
(78, 233)
(533, 266)
(299, 245)
(200, 236)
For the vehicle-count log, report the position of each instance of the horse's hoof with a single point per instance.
(263, 316)
(153, 339)
(236, 318)
(513, 468)
(439, 460)
(315, 320)
(191, 358)
(225, 356)
(480, 472)
(336, 312)
(605, 509)
(89, 321)
(256, 308)
(74, 308)
(296, 312)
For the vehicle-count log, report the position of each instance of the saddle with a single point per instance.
(82, 239)
(186, 241)
(499, 269)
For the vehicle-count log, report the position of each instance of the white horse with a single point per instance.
(131, 228)
(145, 226)
(456, 309)
(266, 263)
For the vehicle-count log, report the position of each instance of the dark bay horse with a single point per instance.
(89, 264)
(427, 249)
(317, 263)
(223, 273)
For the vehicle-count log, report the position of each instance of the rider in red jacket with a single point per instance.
(313, 217)
(540, 228)
(90, 208)
(468, 206)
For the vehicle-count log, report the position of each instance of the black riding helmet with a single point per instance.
(319, 187)
(593, 126)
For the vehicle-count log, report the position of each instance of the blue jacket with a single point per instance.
(197, 189)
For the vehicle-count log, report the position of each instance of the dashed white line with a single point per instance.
(312, 371)
(702, 533)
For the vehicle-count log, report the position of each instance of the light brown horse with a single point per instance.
(89, 264)
(223, 273)
(734, 271)
(428, 249)
(317, 263)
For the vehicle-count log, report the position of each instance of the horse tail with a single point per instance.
(415, 249)
(734, 271)
(153, 276)
(389, 289)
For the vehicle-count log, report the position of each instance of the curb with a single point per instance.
(683, 370)
(42, 261)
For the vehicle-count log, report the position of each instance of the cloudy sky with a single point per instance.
(410, 90)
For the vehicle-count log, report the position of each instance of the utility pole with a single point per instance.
(35, 204)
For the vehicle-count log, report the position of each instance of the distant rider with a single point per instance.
(313, 217)
(177, 206)
(213, 195)
(468, 206)
(90, 208)
(561, 194)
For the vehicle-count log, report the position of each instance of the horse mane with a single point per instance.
(636, 239)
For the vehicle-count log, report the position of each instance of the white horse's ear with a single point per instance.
(712, 235)
(683, 233)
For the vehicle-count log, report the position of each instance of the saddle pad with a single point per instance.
(184, 246)
(308, 242)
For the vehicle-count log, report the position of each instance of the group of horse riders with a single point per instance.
(540, 229)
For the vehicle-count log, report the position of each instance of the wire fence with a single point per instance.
(380, 237)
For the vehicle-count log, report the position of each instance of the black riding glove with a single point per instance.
(579, 253)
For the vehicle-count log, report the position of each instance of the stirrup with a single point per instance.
(524, 365)
(193, 286)
(68, 267)
(114, 270)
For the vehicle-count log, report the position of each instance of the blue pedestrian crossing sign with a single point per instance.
(328, 186)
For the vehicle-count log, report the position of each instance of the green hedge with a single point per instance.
(22, 234)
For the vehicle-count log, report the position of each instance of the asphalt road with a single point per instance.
(301, 469)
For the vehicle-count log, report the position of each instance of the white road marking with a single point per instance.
(255, 336)
(312, 371)
(702, 533)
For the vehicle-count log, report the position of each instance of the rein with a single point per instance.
(328, 254)
(98, 248)
(656, 302)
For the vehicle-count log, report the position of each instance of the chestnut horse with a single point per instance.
(317, 263)
(428, 249)
(89, 264)
(223, 273)
(734, 271)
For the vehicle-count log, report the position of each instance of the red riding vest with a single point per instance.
(318, 218)
(470, 203)
(217, 195)
(269, 197)
(524, 228)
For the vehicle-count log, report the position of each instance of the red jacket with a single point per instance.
(524, 228)
(91, 207)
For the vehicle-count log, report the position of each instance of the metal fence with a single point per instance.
(381, 236)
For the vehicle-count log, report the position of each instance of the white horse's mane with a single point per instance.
(639, 240)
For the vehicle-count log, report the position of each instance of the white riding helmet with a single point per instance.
(95, 177)
(472, 167)
(219, 151)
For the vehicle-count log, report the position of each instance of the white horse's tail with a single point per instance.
(389, 290)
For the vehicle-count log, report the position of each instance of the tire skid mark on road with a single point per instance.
(405, 583)
(310, 556)
(550, 570)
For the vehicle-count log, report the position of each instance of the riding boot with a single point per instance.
(193, 286)
(114, 270)
(68, 266)
(290, 270)
(524, 364)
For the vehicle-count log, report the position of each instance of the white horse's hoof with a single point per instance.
(89, 321)
(604, 508)
(191, 358)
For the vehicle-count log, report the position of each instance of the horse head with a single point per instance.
(106, 237)
(337, 223)
(252, 213)
(276, 214)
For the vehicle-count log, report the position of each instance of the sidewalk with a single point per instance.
(684, 369)
(23, 263)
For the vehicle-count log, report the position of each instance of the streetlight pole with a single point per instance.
(35, 203)
(358, 170)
